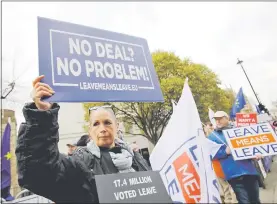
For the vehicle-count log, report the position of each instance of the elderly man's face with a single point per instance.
(103, 128)
(71, 149)
(222, 122)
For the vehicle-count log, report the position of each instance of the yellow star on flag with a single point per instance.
(8, 156)
(237, 103)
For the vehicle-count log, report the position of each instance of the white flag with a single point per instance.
(211, 117)
(183, 156)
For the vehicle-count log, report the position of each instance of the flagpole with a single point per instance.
(240, 63)
(215, 135)
(261, 106)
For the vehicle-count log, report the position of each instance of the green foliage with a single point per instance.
(204, 83)
(151, 118)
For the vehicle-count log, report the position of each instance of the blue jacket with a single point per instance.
(230, 167)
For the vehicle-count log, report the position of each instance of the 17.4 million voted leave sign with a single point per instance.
(137, 187)
(250, 141)
(85, 64)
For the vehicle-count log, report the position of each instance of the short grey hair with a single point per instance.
(109, 110)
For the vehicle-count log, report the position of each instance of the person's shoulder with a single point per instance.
(81, 152)
(82, 142)
(211, 135)
(214, 134)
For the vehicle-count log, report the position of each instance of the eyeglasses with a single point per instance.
(97, 107)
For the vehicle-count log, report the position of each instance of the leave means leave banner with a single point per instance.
(250, 141)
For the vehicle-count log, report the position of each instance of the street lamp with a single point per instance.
(261, 106)
(11, 87)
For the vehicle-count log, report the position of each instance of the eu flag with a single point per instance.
(238, 104)
(6, 163)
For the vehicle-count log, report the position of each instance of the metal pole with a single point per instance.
(240, 63)
(261, 106)
(11, 85)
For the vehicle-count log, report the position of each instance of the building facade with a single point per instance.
(71, 122)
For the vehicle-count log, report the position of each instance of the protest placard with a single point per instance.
(246, 119)
(247, 142)
(85, 64)
(137, 187)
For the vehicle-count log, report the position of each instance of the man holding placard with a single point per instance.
(242, 175)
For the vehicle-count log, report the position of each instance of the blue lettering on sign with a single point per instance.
(216, 184)
(266, 150)
(85, 64)
(246, 131)
(246, 152)
(265, 128)
(215, 199)
(256, 150)
(171, 184)
(274, 147)
(237, 133)
(255, 130)
(165, 173)
(238, 156)
(170, 189)
(229, 135)
(192, 150)
(260, 150)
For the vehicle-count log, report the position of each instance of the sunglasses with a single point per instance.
(97, 107)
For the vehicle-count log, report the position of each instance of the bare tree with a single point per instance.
(150, 118)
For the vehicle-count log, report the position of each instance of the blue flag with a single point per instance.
(6, 163)
(238, 104)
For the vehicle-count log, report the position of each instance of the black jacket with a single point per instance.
(58, 177)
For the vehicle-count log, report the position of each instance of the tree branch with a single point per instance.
(146, 136)
(135, 134)
(165, 124)
(130, 117)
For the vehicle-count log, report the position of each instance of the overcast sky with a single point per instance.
(214, 34)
